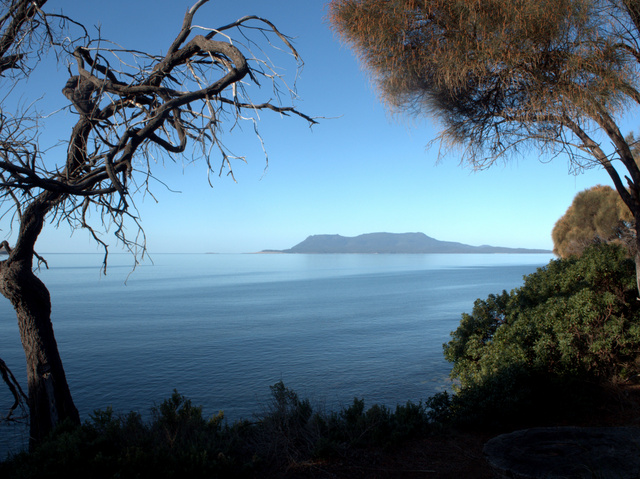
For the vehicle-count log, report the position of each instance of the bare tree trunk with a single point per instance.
(637, 252)
(49, 397)
(50, 400)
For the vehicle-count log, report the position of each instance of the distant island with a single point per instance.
(392, 243)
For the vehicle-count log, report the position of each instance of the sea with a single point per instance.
(220, 329)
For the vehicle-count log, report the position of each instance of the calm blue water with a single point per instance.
(222, 328)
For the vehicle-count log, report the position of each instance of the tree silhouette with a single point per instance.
(131, 106)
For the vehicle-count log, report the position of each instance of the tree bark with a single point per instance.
(49, 397)
(50, 400)
(637, 255)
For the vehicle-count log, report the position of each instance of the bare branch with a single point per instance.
(19, 397)
(130, 106)
(133, 106)
(22, 13)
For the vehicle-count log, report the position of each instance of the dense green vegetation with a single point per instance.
(178, 441)
(545, 349)
(538, 355)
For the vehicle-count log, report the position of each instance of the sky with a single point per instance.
(359, 170)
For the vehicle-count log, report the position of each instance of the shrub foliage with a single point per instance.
(178, 441)
(572, 325)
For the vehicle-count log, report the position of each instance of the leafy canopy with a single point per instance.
(576, 317)
(596, 214)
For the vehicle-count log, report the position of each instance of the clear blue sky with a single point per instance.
(358, 171)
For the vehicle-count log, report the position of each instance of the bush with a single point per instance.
(178, 441)
(573, 322)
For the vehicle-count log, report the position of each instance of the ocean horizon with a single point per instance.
(222, 328)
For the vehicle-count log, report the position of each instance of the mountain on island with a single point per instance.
(392, 243)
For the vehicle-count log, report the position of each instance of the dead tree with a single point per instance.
(131, 106)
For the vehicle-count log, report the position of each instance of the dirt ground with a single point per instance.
(450, 455)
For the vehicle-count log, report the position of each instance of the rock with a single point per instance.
(566, 452)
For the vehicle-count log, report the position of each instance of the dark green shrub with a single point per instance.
(286, 433)
(575, 317)
(356, 426)
(178, 441)
(410, 420)
(531, 352)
